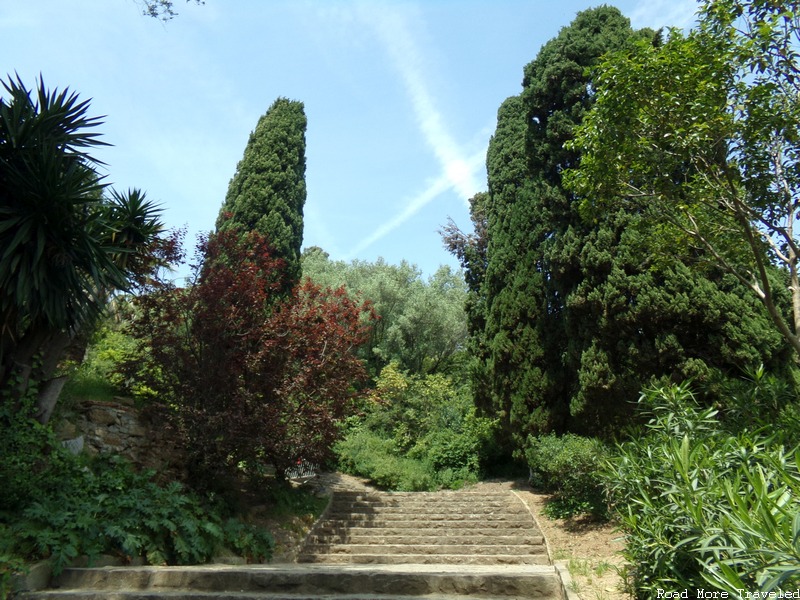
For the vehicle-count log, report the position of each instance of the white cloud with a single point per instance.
(439, 186)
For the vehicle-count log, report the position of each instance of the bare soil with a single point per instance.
(590, 549)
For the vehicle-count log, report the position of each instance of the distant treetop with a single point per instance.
(162, 9)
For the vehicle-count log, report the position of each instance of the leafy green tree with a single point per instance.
(702, 134)
(64, 246)
(268, 191)
(417, 432)
(421, 324)
(471, 251)
(580, 314)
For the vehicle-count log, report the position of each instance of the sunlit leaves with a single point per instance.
(702, 132)
(252, 376)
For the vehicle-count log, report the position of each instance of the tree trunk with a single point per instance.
(47, 398)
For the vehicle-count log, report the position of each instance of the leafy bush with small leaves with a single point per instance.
(363, 452)
(704, 505)
(570, 467)
(417, 433)
(10, 565)
(33, 460)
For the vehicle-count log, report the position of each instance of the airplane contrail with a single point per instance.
(458, 171)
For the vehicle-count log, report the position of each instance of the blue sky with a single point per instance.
(401, 99)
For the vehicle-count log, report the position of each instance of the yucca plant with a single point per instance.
(64, 245)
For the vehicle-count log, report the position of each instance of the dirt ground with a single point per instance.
(590, 549)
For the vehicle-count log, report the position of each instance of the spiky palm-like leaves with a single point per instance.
(63, 246)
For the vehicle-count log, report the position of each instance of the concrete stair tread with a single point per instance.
(419, 539)
(424, 496)
(425, 559)
(455, 549)
(296, 581)
(437, 528)
(86, 594)
(292, 568)
(422, 519)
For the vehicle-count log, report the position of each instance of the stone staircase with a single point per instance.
(367, 544)
(457, 528)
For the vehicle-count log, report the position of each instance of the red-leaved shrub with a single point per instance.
(251, 376)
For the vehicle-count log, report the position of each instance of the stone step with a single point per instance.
(422, 518)
(396, 498)
(423, 559)
(437, 494)
(437, 528)
(390, 499)
(454, 549)
(306, 581)
(476, 511)
(446, 497)
(190, 595)
(365, 535)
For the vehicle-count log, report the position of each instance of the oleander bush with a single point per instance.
(705, 502)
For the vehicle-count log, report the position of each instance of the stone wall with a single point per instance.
(119, 428)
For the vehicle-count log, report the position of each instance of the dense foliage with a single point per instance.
(701, 135)
(421, 324)
(65, 245)
(268, 191)
(417, 433)
(574, 316)
(58, 506)
(250, 381)
(570, 468)
(705, 503)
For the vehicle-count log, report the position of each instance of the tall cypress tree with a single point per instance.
(581, 315)
(268, 191)
(525, 324)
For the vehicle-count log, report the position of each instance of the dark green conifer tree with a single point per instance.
(268, 191)
(580, 316)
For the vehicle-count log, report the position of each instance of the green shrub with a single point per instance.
(97, 377)
(366, 454)
(10, 565)
(125, 514)
(54, 505)
(254, 544)
(704, 506)
(419, 433)
(570, 467)
(33, 460)
(286, 500)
